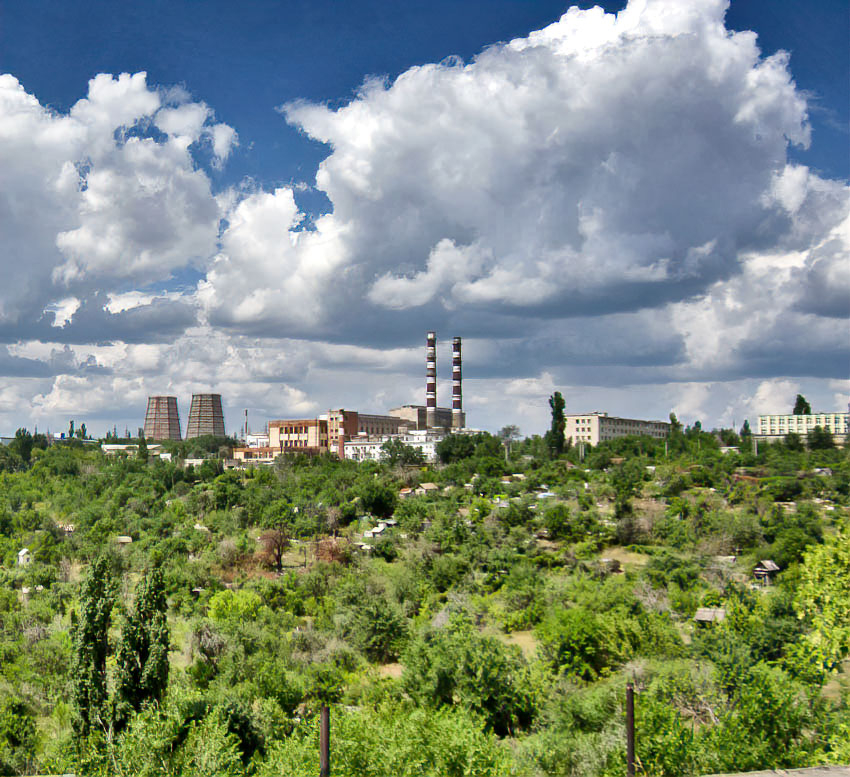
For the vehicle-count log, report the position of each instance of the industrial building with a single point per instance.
(162, 421)
(597, 427)
(416, 417)
(309, 435)
(205, 416)
(333, 430)
(774, 427)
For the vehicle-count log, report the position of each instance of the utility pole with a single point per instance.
(630, 730)
(325, 743)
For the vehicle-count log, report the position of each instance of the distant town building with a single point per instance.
(260, 440)
(775, 427)
(370, 447)
(598, 427)
(162, 421)
(256, 455)
(330, 432)
(205, 416)
(305, 435)
(132, 448)
(24, 557)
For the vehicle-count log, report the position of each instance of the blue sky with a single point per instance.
(717, 286)
(245, 59)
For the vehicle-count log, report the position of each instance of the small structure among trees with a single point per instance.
(765, 570)
(708, 615)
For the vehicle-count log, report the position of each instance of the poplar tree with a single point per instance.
(801, 406)
(90, 631)
(142, 657)
(555, 435)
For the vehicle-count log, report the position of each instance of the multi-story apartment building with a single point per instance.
(597, 427)
(775, 427)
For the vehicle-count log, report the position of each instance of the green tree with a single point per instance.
(577, 642)
(142, 452)
(378, 498)
(555, 436)
(455, 447)
(793, 442)
(823, 601)
(22, 445)
(509, 433)
(142, 659)
(90, 648)
(457, 665)
(394, 452)
(675, 425)
(801, 407)
(820, 439)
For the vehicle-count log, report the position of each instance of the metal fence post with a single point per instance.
(630, 729)
(325, 743)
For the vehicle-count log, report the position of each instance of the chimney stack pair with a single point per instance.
(431, 382)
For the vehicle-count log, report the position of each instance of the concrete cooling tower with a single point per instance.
(161, 419)
(205, 416)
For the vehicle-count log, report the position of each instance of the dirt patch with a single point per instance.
(838, 686)
(524, 640)
(391, 670)
(626, 557)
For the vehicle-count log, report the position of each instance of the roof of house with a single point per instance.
(710, 614)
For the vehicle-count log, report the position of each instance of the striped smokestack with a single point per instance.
(431, 380)
(457, 391)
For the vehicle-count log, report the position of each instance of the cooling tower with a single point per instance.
(161, 419)
(431, 380)
(457, 391)
(205, 416)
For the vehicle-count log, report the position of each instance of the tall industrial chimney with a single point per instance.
(431, 380)
(457, 391)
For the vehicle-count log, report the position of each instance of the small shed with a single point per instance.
(765, 570)
(427, 488)
(24, 557)
(707, 615)
(123, 539)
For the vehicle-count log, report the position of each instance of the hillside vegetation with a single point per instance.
(489, 629)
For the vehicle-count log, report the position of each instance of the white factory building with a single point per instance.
(597, 427)
(775, 427)
(369, 448)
